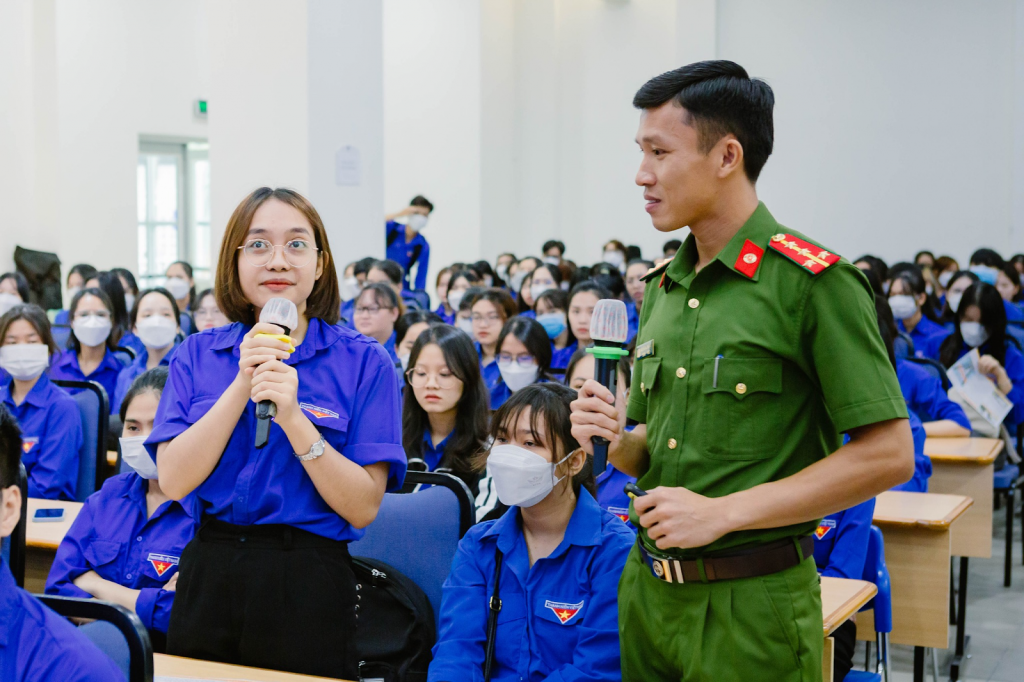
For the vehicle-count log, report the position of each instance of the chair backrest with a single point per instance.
(934, 368)
(125, 355)
(61, 334)
(13, 548)
(875, 571)
(421, 297)
(94, 407)
(903, 346)
(126, 634)
(1015, 335)
(418, 533)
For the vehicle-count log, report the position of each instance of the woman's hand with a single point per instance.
(256, 350)
(172, 584)
(279, 383)
(989, 366)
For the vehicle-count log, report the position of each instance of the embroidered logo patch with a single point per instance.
(162, 562)
(564, 612)
(749, 259)
(28, 443)
(318, 412)
(620, 512)
(824, 527)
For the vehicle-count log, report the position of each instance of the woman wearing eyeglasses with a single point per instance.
(377, 310)
(524, 358)
(491, 309)
(444, 420)
(268, 580)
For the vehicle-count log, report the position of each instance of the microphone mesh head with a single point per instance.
(610, 321)
(280, 311)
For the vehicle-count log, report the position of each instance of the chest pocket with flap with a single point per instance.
(741, 410)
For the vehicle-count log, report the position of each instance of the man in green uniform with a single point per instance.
(757, 350)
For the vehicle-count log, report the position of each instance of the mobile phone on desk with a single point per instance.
(44, 515)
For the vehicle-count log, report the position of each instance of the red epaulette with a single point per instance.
(812, 258)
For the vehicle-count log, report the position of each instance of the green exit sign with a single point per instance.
(200, 108)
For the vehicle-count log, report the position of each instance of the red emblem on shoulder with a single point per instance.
(812, 258)
(749, 259)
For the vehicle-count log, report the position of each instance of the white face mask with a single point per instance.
(522, 478)
(349, 288)
(25, 361)
(517, 280)
(902, 306)
(488, 281)
(156, 331)
(455, 298)
(177, 287)
(537, 289)
(552, 260)
(129, 301)
(92, 330)
(944, 279)
(516, 376)
(417, 221)
(465, 324)
(954, 301)
(8, 301)
(502, 271)
(404, 359)
(615, 258)
(135, 455)
(974, 334)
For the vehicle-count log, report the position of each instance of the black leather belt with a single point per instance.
(746, 563)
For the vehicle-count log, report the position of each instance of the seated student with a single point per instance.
(359, 270)
(980, 323)
(377, 309)
(1008, 286)
(178, 280)
(464, 312)
(524, 296)
(155, 321)
(553, 314)
(582, 300)
(445, 415)
(553, 251)
(50, 424)
(614, 253)
(524, 358)
(36, 644)
(349, 285)
(635, 287)
(90, 354)
(945, 268)
(958, 284)
(13, 290)
(126, 542)
(671, 248)
(389, 272)
(131, 288)
(77, 277)
(909, 302)
(986, 264)
(110, 284)
(444, 310)
(561, 556)
(517, 272)
(487, 274)
(611, 481)
(460, 282)
(408, 328)
(877, 266)
(840, 551)
(490, 311)
(207, 314)
(544, 278)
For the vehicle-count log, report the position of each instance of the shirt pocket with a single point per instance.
(100, 552)
(742, 408)
(649, 369)
(159, 567)
(330, 418)
(563, 611)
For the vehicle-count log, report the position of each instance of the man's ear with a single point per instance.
(10, 509)
(729, 153)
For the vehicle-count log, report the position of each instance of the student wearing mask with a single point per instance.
(389, 272)
(406, 244)
(125, 544)
(555, 557)
(444, 418)
(524, 358)
(131, 288)
(37, 644)
(155, 322)
(877, 266)
(945, 268)
(544, 278)
(178, 280)
(13, 290)
(77, 277)
(407, 329)
(958, 284)
(582, 300)
(610, 482)
(524, 296)
(635, 292)
(111, 285)
(553, 251)
(461, 280)
(987, 264)
(350, 286)
(489, 313)
(444, 310)
(518, 272)
(90, 354)
(553, 314)
(980, 323)
(359, 270)
(277, 520)
(50, 424)
(502, 265)
(377, 310)
(487, 274)
(909, 302)
(207, 314)
(1008, 285)
(614, 253)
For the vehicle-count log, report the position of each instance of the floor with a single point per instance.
(995, 619)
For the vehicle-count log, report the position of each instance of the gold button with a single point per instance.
(672, 443)
(741, 388)
(642, 387)
(694, 303)
(681, 372)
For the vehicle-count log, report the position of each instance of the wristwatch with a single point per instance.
(316, 451)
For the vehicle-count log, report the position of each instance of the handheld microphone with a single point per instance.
(284, 314)
(609, 328)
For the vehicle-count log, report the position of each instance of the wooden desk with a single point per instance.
(188, 668)
(964, 466)
(840, 599)
(42, 540)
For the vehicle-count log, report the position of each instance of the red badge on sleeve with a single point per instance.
(749, 259)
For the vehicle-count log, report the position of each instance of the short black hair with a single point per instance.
(989, 257)
(553, 244)
(719, 98)
(83, 270)
(412, 317)
(20, 283)
(671, 245)
(421, 201)
(10, 448)
(152, 380)
(363, 265)
(127, 276)
(393, 270)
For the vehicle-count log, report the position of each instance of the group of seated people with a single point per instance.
(487, 378)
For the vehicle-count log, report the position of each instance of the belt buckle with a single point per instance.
(662, 568)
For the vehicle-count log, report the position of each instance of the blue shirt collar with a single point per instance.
(70, 358)
(135, 487)
(39, 396)
(319, 335)
(584, 529)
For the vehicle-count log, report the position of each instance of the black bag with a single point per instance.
(42, 270)
(395, 628)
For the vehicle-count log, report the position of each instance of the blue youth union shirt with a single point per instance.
(402, 253)
(841, 541)
(66, 367)
(923, 393)
(559, 618)
(51, 436)
(112, 536)
(347, 388)
(37, 645)
(130, 374)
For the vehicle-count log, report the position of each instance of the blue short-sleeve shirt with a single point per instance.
(66, 367)
(841, 541)
(130, 374)
(347, 388)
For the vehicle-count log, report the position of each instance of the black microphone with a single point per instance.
(609, 327)
(284, 314)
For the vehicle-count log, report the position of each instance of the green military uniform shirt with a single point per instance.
(751, 369)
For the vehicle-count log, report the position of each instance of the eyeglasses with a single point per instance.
(417, 378)
(524, 360)
(206, 312)
(371, 309)
(489, 319)
(259, 252)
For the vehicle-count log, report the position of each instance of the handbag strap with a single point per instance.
(494, 607)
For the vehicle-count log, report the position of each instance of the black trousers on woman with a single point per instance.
(268, 596)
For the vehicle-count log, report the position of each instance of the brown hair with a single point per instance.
(501, 300)
(324, 301)
(36, 317)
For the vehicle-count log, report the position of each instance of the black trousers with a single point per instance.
(845, 641)
(268, 596)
